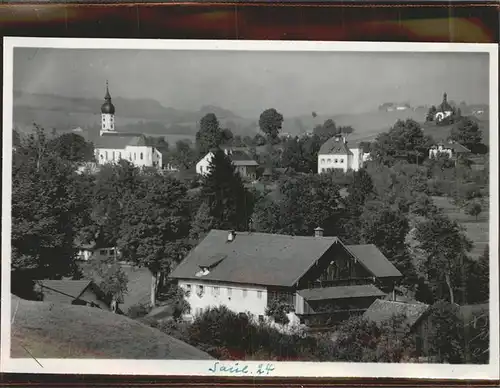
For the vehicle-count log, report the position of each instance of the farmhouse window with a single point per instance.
(188, 289)
(200, 291)
(336, 160)
(259, 294)
(244, 293)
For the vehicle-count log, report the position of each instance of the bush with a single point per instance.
(138, 310)
(278, 310)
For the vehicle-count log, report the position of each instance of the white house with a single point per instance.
(243, 163)
(444, 110)
(247, 271)
(111, 146)
(451, 148)
(335, 154)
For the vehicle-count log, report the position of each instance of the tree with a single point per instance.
(445, 335)
(155, 227)
(474, 208)
(73, 147)
(387, 229)
(431, 113)
(467, 133)
(404, 141)
(310, 146)
(202, 223)
(278, 310)
(445, 246)
(111, 279)
(229, 202)
(326, 131)
(226, 136)
(46, 200)
(292, 154)
(303, 203)
(270, 123)
(361, 340)
(113, 189)
(184, 156)
(478, 279)
(209, 135)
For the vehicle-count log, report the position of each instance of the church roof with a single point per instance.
(335, 146)
(107, 107)
(120, 140)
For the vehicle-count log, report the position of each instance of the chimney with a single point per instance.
(318, 232)
(230, 236)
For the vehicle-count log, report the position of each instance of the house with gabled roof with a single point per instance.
(243, 163)
(318, 276)
(336, 154)
(74, 292)
(451, 148)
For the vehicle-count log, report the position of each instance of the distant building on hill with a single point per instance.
(335, 154)
(241, 160)
(320, 277)
(444, 110)
(112, 146)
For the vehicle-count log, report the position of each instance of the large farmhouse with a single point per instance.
(242, 162)
(319, 276)
(112, 146)
(335, 154)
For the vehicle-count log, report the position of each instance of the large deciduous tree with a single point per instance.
(445, 247)
(467, 132)
(46, 205)
(270, 123)
(404, 141)
(155, 227)
(73, 147)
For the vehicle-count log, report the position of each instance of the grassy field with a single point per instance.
(477, 230)
(50, 330)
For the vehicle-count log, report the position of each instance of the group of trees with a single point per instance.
(151, 218)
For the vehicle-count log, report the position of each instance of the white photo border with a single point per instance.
(281, 369)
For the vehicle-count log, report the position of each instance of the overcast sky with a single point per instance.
(248, 82)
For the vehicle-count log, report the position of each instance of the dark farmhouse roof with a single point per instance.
(63, 291)
(374, 260)
(383, 310)
(268, 259)
(241, 158)
(334, 146)
(254, 258)
(341, 292)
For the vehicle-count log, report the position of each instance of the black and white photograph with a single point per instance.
(250, 208)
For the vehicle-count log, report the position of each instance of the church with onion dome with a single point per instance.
(113, 145)
(444, 110)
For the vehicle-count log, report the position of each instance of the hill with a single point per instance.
(67, 113)
(50, 330)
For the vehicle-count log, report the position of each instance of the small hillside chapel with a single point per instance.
(319, 276)
(444, 109)
(113, 146)
(335, 154)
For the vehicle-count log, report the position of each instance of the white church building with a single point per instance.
(335, 154)
(113, 146)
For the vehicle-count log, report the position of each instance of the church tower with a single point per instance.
(107, 113)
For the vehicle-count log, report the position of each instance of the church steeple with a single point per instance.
(107, 113)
